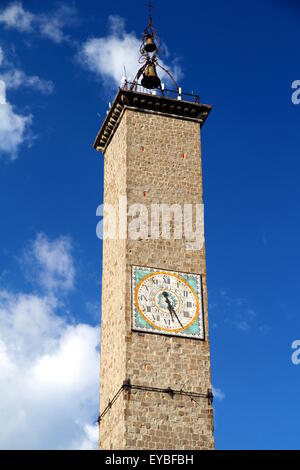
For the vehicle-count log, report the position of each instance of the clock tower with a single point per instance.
(155, 378)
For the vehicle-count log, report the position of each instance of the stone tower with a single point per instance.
(155, 378)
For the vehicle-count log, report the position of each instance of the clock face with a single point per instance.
(167, 302)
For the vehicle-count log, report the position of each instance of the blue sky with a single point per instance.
(61, 64)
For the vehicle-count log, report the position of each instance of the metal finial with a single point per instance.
(150, 12)
(149, 51)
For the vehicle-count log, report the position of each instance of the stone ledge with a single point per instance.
(147, 103)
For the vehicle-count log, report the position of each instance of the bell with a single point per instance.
(150, 45)
(150, 79)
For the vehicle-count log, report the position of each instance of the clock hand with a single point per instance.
(171, 309)
(177, 317)
(165, 294)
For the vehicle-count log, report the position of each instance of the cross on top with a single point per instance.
(150, 8)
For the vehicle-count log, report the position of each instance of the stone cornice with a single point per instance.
(145, 102)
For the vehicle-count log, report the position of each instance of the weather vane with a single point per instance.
(150, 7)
(149, 58)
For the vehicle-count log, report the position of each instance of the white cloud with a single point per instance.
(264, 329)
(50, 25)
(232, 310)
(218, 394)
(13, 127)
(2, 92)
(49, 366)
(94, 309)
(242, 325)
(107, 56)
(51, 263)
(14, 16)
(89, 440)
(48, 376)
(31, 314)
(17, 78)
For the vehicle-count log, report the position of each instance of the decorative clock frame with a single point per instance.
(167, 302)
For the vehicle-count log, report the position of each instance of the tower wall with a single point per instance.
(113, 320)
(144, 160)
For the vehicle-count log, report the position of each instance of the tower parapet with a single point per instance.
(163, 101)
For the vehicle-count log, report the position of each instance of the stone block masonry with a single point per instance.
(152, 158)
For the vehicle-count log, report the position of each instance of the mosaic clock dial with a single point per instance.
(167, 302)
